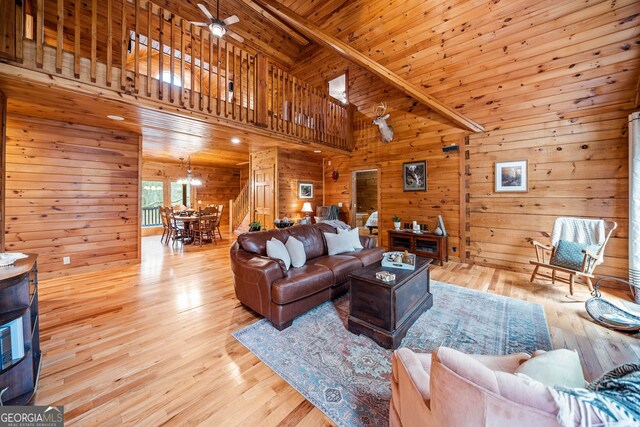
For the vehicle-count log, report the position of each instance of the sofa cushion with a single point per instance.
(337, 243)
(311, 238)
(340, 266)
(557, 367)
(354, 237)
(256, 241)
(276, 250)
(301, 283)
(296, 252)
(368, 256)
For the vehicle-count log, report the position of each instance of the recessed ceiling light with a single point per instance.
(317, 151)
(114, 117)
(235, 140)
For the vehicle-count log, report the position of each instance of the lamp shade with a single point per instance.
(307, 207)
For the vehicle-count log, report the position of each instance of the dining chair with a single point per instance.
(203, 229)
(177, 227)
(166, 230)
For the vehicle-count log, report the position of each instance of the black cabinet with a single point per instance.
(20, 356)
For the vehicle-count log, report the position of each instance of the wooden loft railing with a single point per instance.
(137, 47)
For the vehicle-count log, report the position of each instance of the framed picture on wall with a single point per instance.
(511, 176)
(414, 176)
(305, 190)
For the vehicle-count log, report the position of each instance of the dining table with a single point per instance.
(188, 220)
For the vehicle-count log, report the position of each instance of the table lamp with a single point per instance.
(306, 208)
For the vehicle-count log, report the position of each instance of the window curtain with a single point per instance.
(634, 198)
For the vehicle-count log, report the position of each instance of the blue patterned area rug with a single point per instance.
(347, 376)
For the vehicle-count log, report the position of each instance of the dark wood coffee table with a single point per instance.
(385, 311)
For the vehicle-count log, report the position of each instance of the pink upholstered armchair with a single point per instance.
(450, 388)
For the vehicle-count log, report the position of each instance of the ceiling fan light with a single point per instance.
(217, 29)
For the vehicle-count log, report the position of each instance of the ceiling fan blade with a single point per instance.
(235, 36)
(231, 20)
(200, 24)
(204, 10)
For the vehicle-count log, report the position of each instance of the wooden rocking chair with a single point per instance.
(589, 262)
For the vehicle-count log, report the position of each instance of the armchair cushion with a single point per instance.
(571, 254)
(557, 367)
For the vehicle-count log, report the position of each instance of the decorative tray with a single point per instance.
(390, 259)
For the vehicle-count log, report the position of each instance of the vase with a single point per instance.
(397, 225)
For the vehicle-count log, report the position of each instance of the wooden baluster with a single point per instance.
(124, 48)
(288, 103)
(192, 66)
(160, 53)
(171, 58)
(201, 91)
(19, 33)
(182, 70)
(60, 35)
(294, 99)
(136, 51)
(261, 91)
(76, 39)
(226, 79)
(40, 34)
(94, 40)
(240, 81)
(149, 48)
(273, 93)
(109, 75)
(218, 78)
(234, 80)
(210, 39)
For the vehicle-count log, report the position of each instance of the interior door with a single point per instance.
(264, 195)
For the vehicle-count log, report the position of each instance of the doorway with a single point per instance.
(365, 201)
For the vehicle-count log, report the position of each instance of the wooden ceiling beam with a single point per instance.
(318, 35)
(295, 36)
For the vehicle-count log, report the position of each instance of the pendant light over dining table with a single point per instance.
(189, 179)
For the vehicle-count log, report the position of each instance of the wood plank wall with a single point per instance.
(419, 135)
(71, 191)
(552, 82)
(295, 167)
(219, 184)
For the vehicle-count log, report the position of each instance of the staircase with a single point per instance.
(239, 211)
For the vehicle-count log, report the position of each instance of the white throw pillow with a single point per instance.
(296, 252)
(354, 237)
(338, 243)
(277, 250)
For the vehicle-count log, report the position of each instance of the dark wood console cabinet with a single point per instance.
(19, 324)
(428, 245)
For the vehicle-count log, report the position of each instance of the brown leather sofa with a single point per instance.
(264, 285)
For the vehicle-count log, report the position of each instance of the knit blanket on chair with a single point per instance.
(614, 399)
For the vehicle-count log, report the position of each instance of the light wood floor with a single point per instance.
(151, 344)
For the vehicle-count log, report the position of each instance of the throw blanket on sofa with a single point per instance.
(614, 398)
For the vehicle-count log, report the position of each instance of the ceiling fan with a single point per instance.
(216, 25)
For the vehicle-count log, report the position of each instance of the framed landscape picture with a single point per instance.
(414, 176)
(305, 190)
(511, 176)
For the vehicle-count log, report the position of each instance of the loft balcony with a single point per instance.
(137, 51)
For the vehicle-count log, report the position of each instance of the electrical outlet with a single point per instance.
(454, 249)
(340, 204)
(66, 260)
